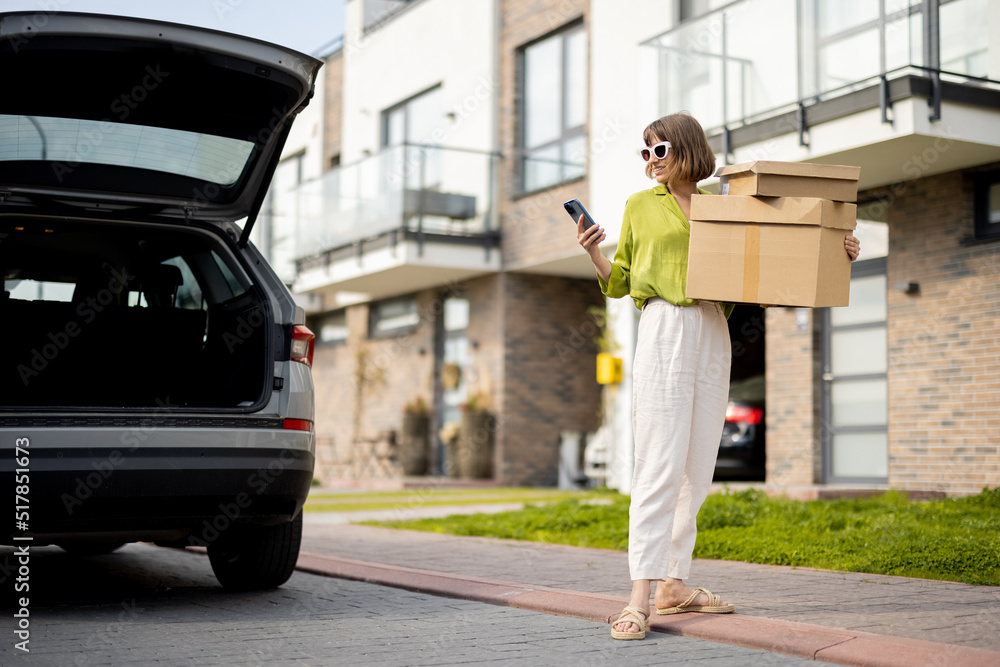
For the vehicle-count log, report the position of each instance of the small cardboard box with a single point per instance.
(790, 179)
(782, 251)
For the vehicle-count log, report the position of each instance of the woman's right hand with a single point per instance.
(591, 238)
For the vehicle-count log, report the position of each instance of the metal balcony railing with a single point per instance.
(425, 190)
(753, 59)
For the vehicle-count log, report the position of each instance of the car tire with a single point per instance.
(257, 558)
(92, 547)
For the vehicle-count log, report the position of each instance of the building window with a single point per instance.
(987, 205)
(279, 230)
(419, 123)
(331, 328)
(553, 84)
(858, 39)
(393, 317)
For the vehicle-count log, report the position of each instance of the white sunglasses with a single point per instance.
(659, 150)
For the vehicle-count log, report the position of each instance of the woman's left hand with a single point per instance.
(853, 246)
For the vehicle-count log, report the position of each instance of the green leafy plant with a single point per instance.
(417, 406)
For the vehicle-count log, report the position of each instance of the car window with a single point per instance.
(235, 285)
(189, 295)
(39, 290)
(71, 140)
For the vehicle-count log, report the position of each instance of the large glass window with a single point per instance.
(554, 91)
(394, 316)
(965, 37)
(417, 122)
(281, 227)
(332, 328)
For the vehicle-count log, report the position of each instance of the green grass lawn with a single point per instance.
(955, 539)
(416, 498)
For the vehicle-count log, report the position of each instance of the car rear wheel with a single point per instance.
(257, 558)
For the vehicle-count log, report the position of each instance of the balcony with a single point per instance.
(839, 82)
(408, 218)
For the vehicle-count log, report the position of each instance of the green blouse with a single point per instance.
(652, 255)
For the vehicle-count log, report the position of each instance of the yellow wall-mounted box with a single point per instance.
(609, 369)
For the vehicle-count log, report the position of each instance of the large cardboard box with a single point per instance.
(783, 251)
(790, 179)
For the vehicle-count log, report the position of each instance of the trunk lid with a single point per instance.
(139, 119)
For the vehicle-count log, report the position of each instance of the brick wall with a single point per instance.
(944, 352)
(944, 343)
(333, 70)
(396, 370)
(792, 443)
(549, 379)
(535, 227)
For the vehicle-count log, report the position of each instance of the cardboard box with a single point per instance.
(783, 251)
(790, 179)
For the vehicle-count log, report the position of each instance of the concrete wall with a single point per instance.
(446, 42)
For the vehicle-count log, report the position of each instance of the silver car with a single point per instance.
(156, 378)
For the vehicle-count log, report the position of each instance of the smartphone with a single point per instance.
(575, 210)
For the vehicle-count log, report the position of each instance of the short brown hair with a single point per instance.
(693, 159)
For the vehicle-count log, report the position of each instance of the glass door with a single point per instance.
(454, 366)
(854, 386)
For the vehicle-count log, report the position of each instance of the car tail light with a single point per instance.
(298, 425)
(744, 414)
(303, 341)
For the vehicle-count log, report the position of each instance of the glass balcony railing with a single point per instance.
(755, 58)
(431, 190)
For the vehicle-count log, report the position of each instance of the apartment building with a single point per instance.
(418, 217)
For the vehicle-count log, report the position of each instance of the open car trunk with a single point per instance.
(123, 315)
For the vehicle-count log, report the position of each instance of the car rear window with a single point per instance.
(39, 290)
(72, 141)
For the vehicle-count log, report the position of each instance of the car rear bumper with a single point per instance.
(165, 484)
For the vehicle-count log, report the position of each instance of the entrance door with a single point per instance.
(454, 361)
(855, 405)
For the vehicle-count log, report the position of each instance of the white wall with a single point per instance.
(307, 132)
(447, 42)
(618, 86)
(616, 115)
(306, 137)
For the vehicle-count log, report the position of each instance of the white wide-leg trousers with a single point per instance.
(679, 395)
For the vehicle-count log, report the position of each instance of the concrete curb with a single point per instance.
(845, 647)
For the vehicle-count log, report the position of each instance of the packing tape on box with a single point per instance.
(751, 263)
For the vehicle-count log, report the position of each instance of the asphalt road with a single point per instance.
(152, 606)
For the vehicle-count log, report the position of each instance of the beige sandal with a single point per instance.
(632, 615)
(714, 605)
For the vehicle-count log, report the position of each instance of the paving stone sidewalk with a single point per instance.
(937, 611)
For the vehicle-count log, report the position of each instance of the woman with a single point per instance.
(680, 372)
